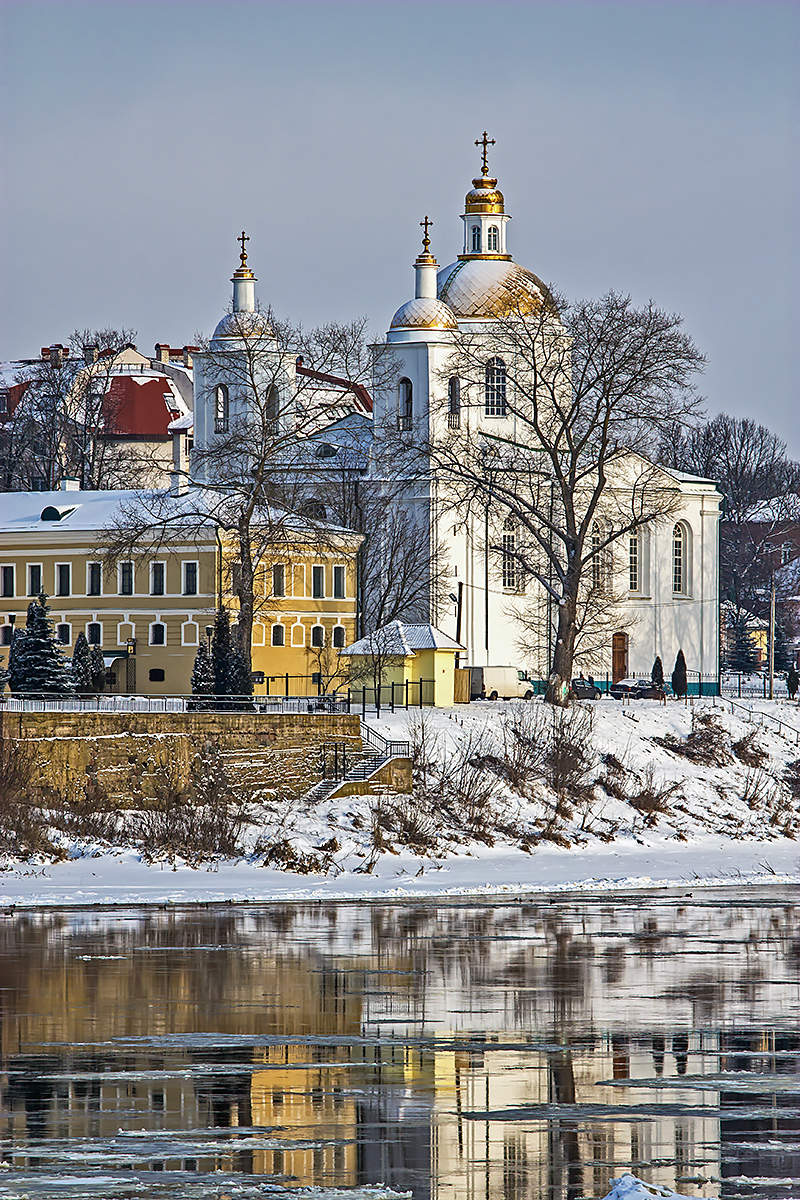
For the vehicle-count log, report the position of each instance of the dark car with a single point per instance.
(636, 689)
(582, 689)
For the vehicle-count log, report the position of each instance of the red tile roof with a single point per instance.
(135, 407)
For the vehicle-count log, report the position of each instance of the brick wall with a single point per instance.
(128, 749)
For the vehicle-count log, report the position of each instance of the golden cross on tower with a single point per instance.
(243, 238)
(486, 142)
(426, 241)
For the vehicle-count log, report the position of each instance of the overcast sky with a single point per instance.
(647, 147)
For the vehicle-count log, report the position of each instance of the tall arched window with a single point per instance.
(495, 390)
(271, 406)
(680, 560)
(476, 239)
(634, 564)
(158, 634)
(597, 558)
(221, 409)
(454, 402)
(493, 239)
(94, 633)
(405, 404)
(510, 571)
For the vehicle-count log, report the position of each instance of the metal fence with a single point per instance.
(175, 704)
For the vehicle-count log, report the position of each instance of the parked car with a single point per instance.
(636, 689)
(500, 683)
(582, 689)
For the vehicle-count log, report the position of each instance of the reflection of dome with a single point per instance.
(485, 197)
(488, 287)
(424, 313)
(243, 324)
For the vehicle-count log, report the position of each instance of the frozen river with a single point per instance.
(461, 1051)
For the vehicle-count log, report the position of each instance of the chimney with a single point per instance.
(91, 353)
(178, 484)
(70, 484)
(187, 356)
(56, 355)
(180, 451)
(162, 352)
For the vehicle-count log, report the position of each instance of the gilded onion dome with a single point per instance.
(485, 197)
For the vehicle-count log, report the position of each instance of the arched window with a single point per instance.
(510, 571)
(313, 509)
(454, 402)
(493, 239)
(94, 633)
(221, 409)
(64, 634)
(278, 635)
(405, 404)
(338, 636)
(597, 558)
(271, 408)
(634, 564)
(318, 636)
(495, 390)
(158, 634)
(476, 239)
(680, 560)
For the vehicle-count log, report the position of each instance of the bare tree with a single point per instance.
(582, 391)
(265, 387)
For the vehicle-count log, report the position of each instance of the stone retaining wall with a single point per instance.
(127, 751)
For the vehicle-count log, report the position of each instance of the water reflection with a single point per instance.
(529, 1050)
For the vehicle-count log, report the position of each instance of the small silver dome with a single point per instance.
(424, 313)
(243, 325)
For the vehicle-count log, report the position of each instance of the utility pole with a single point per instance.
(772, 635)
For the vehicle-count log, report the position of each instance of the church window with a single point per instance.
(405, 404)
(221, 409)
(680, 560)
(495, 390)
(493, 239)
(634, 564)
(510, 572)
(476, 239)
(454, 402)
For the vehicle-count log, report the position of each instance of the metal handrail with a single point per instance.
(389, 748)
(105, 703)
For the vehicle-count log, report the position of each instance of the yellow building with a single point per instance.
(413, 658)
(148, 612)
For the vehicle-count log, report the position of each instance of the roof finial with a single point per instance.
(426, 241)
(243, 255)
(486, 142)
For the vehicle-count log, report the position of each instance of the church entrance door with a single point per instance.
(619, 656)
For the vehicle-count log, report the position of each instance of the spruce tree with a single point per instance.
(239, 681)
(679, 677)
(82, 666)
(743, 653)
(39, 665)
(98, 669)
(221, 652)
(202, 674)
(657, 673)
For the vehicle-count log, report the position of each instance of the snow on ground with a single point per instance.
(721, 822)
(629, 1187)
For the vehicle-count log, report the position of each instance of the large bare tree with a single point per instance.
(561, 405)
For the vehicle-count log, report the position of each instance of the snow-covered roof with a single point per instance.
(403, 640)
(21, 512)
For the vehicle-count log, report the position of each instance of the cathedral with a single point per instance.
(667, 599)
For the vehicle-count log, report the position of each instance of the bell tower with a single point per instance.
(484, 215)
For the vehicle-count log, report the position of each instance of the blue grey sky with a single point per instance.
(647, 147)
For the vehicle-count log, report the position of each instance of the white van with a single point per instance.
(500, 683)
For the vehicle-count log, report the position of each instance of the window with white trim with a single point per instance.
(339, 583)
(158, 634)
(510, 566)
(298, 635)
(679, 560)
(64, 634)
(405, 404)
(94, 579)
(634, 563)
(34, 579)
(190, 574)
(338, 636)
(495, 388)
(318, 582)
(317, 636)
(125, 578)
(493, 239)
(278, 635)
(63, 579)
(476, 239)
(222, 409)
(7, 588)
(190, 633)
(453, 402)
(6, 635)
(94, 633)
(278, 580)
(158, 578)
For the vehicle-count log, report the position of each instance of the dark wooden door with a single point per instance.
(619, 656)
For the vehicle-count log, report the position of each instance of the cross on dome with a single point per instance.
(426, 241)
(486, 142)
(243, 255)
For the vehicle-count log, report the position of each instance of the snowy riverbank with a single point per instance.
(647, 816)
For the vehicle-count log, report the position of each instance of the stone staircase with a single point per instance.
(377, 752)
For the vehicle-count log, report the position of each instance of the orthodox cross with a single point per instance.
(243, 238)
(486, 142)
(426, 241)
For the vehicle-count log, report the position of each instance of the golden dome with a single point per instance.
(485, 197)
